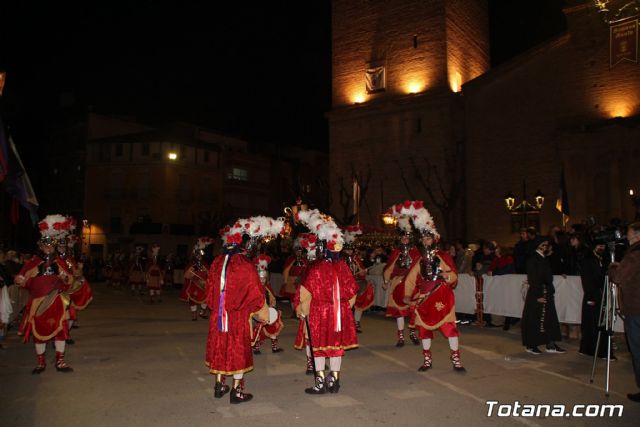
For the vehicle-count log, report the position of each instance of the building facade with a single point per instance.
(416, 107)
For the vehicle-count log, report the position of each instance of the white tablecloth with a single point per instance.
(504, 296)
(465, 293)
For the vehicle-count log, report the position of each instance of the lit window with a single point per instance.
(238, 174)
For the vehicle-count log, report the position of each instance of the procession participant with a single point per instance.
(45, 277)
(195, 280)
(137, 271)
(294, 269)
(326, 297)
(154, 274)
(429, 288)
(267, 331)
(80, 292)
(397, 267)
(365, 297)
(234, 295)
(308, 243)
(540, 324)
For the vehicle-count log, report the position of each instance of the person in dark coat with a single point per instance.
(540, 323)
(592, 274)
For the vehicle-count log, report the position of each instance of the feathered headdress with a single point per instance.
(322, 226)
(413, 213)
(262, 262)
(54, 227)
(203, 242)
(350, 234)
(257, 227)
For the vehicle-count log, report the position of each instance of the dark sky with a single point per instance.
(259, 71)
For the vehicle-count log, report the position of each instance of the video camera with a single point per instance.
(609, 235)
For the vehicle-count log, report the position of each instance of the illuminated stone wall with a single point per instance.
(554, 105)
(418, 115)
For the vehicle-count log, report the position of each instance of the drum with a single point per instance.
(273, 315)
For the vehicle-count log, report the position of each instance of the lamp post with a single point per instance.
(524, 210)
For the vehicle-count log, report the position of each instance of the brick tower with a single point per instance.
(397, 119)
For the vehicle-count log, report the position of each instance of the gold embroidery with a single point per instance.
(439, 306)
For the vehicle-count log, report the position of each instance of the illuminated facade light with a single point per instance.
(359, 98)
(456, 82)
(173, 156)
(414, 87)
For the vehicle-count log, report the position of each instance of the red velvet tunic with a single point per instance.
(230, 352)
(395, 274)
(53, 321)
(319, 282)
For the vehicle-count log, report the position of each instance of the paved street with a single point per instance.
(142, 365)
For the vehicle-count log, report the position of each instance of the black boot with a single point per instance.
(275, 348)
(220, 389)
(320, 387)
(333, 382)
(237, 394)
(413, 337)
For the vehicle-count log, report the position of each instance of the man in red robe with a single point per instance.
(195, 281)
(326, 297)
(429, 287)
(397, 267)
(234, 295)
(46, 278)
(366, 292)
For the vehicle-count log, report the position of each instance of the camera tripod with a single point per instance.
(606, 320)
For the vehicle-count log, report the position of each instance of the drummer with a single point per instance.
(275, 326)
(429, 289)
(366, 292)
(45, 277)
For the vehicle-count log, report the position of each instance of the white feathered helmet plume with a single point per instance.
(415, 214)
(324, 227)
(53, 228)
(257, 227)
(350, 234)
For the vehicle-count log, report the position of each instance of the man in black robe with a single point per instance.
(592, 274)
(540, 323)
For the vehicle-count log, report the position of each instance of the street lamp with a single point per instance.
(522, 212)
(388, 220)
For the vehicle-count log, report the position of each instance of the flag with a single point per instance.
(562, 203)
(16, 181)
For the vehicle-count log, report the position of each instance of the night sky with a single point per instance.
(262, 72)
